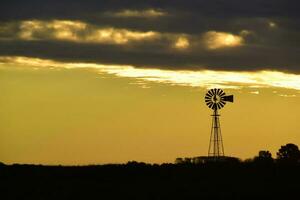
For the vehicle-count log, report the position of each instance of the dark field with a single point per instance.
(143, 181)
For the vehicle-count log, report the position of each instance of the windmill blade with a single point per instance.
(207, 101)
(219, 92)
(211, 105)
(215, 106)
(219, 106)
(228, 98)
(207, 97)
(210, 92)
(215, 91)
(223, 103)
(222, 93)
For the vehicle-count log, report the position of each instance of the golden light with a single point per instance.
(201, 78)
(28, 28)
(216, 40)
(272, 25)
(149, 13)
(182, 43)
(119, 36)
(77, 31)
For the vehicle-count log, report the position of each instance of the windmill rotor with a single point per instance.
(216, 99)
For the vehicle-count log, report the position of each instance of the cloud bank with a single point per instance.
(229, 35)
(204, 79)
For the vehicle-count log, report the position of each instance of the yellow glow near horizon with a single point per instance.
(216, 40)
(51, 111)
(201, 78)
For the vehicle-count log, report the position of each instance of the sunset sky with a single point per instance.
(93, 82)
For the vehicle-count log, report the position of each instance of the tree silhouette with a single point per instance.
(179, 161)
(289, 153)
(264, 157)
(265, 154)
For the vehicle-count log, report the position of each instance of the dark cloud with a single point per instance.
(255, 58)
(272, 42)
(20, 9)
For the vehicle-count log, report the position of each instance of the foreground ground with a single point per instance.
(142, 181)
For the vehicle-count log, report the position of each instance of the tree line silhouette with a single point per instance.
(256, 178)
(287, 154)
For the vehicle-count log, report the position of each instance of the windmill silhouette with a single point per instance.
(216, 99)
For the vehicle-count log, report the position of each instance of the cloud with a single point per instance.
(172, 34)
(157, 54)
(182, 42)
(57, 29)
(79, 32)
(288, 95)
(204, 78)
(216, 40)
(255, 92)
(272, 25)
(149, 13)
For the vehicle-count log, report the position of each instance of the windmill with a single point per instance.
(216, 100)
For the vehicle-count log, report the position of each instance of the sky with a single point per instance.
(98, 82)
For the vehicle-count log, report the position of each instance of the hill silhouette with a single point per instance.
(230, 179)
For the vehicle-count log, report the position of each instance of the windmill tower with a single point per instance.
(216, 100)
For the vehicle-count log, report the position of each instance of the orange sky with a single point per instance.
(88, 114)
